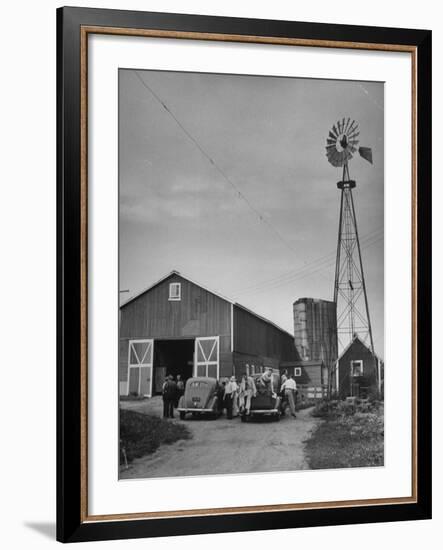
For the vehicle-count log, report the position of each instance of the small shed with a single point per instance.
(359, 371)
(311, 378)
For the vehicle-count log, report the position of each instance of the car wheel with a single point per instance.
(243, 418)
(182, 415)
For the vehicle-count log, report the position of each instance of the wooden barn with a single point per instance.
(359, 371)
(177, 326)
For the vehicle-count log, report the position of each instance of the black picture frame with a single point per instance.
(72, 526)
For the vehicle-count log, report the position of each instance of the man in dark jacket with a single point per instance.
(169, 397)
(180, 389)
(221, 396)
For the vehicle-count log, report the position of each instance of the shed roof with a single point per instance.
(353, 341)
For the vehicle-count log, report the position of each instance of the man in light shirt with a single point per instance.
(230, 393)
(265, 384)
(247, 392)
(290, 387)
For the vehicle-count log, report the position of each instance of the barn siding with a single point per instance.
(243, 359)
(198, 313)
(226, 364)
(357, 351)
(256, 337)
(123, 360)
(311, 374)
(202, 313)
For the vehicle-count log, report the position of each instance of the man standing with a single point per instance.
(290, 387)
(247, 392)
(230, 390)
(284, 399)
(169, 396)
(180, 389)
(284, 376)
(221, 396)
(164, 397)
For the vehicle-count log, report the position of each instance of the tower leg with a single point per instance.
(350, 293)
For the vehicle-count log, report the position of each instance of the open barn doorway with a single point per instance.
(172, 357)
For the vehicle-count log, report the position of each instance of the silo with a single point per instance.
(315, 330)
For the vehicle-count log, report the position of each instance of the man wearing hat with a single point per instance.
(169, 395)
(230, 394)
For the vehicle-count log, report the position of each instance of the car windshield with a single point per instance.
(198, 384)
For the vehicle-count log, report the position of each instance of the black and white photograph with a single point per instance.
(251, 274)
(218, 256)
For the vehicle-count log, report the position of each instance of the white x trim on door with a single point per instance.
(140, 366)
(206, 357)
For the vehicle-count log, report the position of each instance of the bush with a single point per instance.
(132, 397)
(347, 408)
(324, 408)
(373, 394)
(141, 434)
(333, 409)
(349, 437)
(305, 404)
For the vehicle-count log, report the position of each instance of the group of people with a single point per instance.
(235, 397)
(172, 390)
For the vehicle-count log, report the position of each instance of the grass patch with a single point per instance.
(131, 397)
(305, 404)
(142, 434)
(348, 439)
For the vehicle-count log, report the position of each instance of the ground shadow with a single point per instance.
(44, 528)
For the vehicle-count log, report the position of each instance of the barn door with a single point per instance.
(206, 356)
(140, 358)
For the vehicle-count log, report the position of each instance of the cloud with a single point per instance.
(268, 136)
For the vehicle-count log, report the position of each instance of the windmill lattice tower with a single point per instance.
(350, 293)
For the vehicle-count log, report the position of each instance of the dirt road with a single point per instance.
(226, 446)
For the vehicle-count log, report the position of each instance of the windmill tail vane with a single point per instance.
(342, 143)
(366, 153)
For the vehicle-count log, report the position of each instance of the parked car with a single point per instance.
(200, 398)
(264, 404)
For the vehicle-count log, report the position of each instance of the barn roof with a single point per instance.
(236, 304)
(165, 278)
(174, 272)
(353, 341)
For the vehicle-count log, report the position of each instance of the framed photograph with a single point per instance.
(244, 274)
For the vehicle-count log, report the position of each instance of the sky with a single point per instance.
(225, 179)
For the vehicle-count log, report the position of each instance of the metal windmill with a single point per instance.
(349, 287)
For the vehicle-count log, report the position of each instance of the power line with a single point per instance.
(239, 194)
(325, 259)
(317, 269)
(318, 264)
(303, 272)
